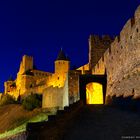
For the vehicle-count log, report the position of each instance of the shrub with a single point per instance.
(32, 101)
(7, 99)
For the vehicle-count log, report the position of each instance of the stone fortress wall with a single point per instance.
(73, 86)
(64, 95)
(121, 61)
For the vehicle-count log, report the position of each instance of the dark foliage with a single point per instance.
(7, 99)
(32, 101)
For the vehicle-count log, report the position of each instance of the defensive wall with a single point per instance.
(62, 96)
(121, 61)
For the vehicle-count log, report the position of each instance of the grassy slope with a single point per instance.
(14, 115)
(13, 119)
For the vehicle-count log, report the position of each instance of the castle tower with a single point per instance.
(7, 85)
(62, 63)
(97, 47)
(26, 64)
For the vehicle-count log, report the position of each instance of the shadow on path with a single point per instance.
(98, 122)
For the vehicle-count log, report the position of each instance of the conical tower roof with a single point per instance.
(62, 56)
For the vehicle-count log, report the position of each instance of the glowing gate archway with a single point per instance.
(94, 93)
(85, 79)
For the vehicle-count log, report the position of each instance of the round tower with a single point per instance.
(62, 63)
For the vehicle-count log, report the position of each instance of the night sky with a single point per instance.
(41, 27)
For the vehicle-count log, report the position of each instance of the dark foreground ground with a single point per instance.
(91, 122)
(104, 123)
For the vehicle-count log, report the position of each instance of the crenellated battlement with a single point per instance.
(123, 55)
(137, 14)
(97, 41)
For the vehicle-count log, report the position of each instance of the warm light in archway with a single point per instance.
(94, 93)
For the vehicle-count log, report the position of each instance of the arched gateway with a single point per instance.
(99, 81)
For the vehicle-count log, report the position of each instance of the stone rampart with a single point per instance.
(123, 57)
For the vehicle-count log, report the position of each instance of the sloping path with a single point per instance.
(96, 122)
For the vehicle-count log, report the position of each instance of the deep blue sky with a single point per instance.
(40, 28)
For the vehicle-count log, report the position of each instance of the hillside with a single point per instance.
(14, 115)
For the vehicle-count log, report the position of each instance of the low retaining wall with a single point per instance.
(20, 136)
(55, 127)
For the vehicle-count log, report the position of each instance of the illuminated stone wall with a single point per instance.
(84, 69)
(62, 66)
(122, 60)
(7, 86)
(26, 64)
(53, 97)
(73, 86)
(56, 96)
(65, 95)
(0, 95)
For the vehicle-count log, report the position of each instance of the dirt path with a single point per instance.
(104, 123)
